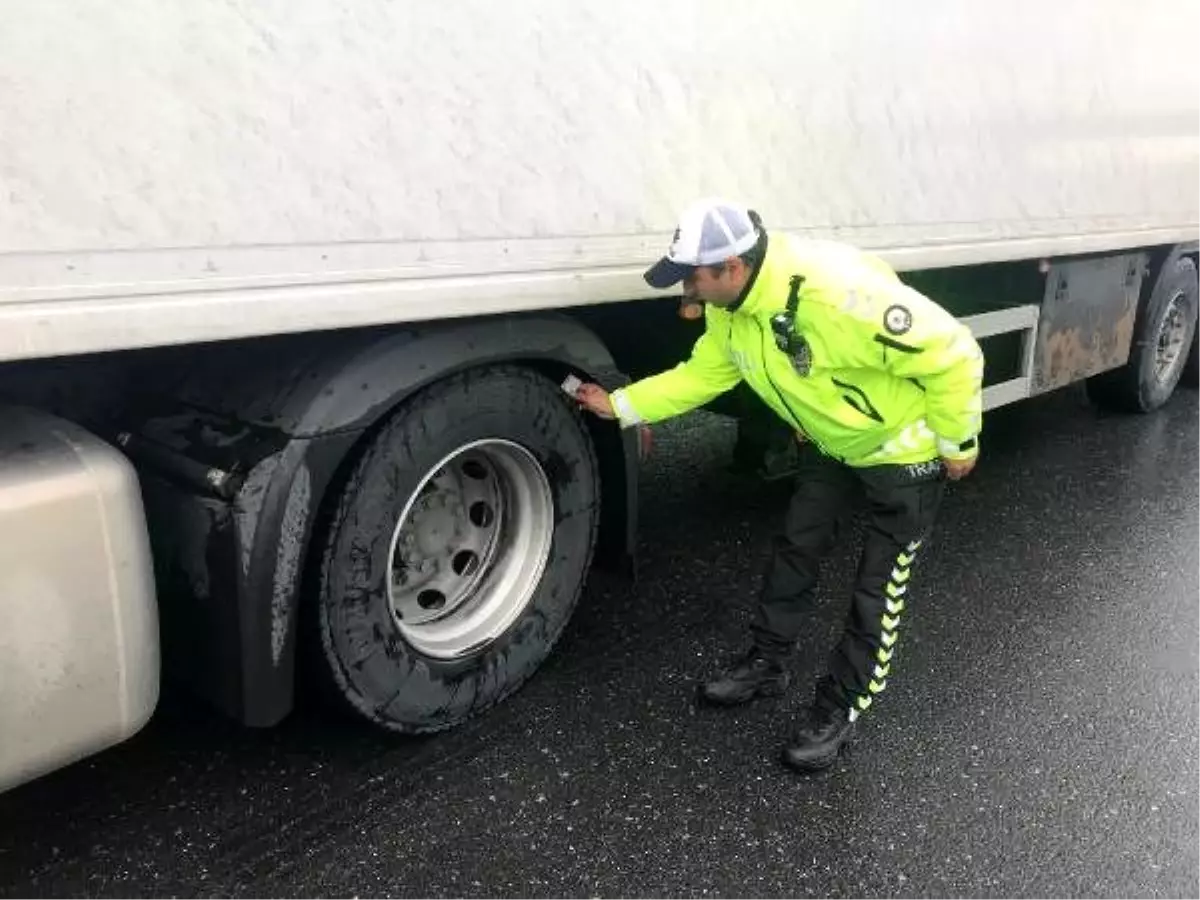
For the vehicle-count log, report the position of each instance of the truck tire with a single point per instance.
(1162, 336)
(1190, 376)
(458, 550)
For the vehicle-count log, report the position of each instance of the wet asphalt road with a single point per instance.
(1038, 738)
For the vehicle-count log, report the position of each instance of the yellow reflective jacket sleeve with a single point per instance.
(706, 374)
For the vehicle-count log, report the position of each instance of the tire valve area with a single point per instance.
(465, 563)
(431, 600)
(481, 514)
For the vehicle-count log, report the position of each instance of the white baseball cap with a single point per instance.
(710, 231)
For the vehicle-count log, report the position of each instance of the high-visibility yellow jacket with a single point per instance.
(884, 375)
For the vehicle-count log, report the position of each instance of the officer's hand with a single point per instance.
(594, 398)
(958, 468)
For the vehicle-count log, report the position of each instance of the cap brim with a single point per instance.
(665, 273)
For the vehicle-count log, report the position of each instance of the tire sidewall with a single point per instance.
(383, 676)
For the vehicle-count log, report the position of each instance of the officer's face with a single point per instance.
(718, 285)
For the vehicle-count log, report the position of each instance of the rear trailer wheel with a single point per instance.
(458, 550)
(1162, 338)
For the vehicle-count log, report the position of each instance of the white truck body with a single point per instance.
(180, 172)
(176, 172)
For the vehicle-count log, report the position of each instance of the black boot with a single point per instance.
(819, 736)
(753, 675)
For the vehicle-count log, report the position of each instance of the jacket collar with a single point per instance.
(751, 300)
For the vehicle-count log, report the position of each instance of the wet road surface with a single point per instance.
(1038, 737)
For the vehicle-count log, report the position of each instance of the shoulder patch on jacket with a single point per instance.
(897, 319)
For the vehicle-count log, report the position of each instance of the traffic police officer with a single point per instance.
(881, 385)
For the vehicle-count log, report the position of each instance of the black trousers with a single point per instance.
(902, 505)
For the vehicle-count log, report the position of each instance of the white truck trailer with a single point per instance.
(287, 291)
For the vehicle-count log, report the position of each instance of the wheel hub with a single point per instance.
(470, 547)
(434, 527)
(1171, 336)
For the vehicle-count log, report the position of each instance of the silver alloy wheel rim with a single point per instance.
(1170, 350)
(470, 548)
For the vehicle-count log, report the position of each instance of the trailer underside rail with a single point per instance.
(1023, 319)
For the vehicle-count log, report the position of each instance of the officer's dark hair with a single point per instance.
(754, 255)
